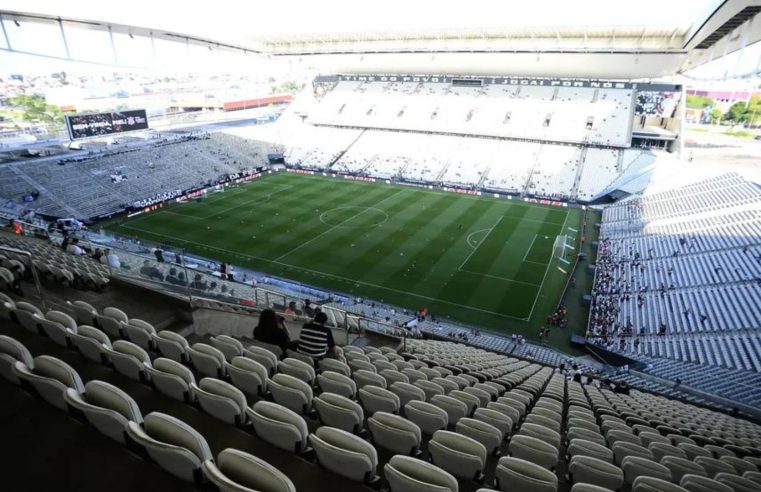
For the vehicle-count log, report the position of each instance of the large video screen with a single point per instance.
(98, 124)
(657, 103)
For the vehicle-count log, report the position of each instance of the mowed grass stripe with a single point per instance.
(364, 257)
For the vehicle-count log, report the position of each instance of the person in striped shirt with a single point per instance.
(316, 339)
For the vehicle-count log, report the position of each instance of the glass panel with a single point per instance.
(88, 44)
(35, 37)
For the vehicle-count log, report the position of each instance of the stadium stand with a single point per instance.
(678, 277)
(91, 186)
(521, 423)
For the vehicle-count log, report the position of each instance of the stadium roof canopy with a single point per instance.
(636, 39)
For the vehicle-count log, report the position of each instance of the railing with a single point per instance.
(27, 259)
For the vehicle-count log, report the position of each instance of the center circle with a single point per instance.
(353, 217)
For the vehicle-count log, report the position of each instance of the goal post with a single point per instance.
(560, 248)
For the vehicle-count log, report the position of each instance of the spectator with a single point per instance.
(272, 329)
(316, 339)
(198, 282)
(109, 258)
(74, 248)
(159, 253)
(290, 311)
(151, 271)
(98, 254)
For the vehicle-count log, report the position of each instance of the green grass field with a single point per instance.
(479, 260)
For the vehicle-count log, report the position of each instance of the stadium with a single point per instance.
(317, 247)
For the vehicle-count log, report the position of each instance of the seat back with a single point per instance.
(229, 346)
(635, 466)
(279, 426)
(697, 483)
(290, 392)
(106, 407)
(12, 351)
(455, 408)
(237, 471)
(585, 469)
(140, 332)
(406, 392)
(486, 434)
(339, 412)
(298, 369)
(221, 400)
(172, 444)
(582, 447)
(91, 343)
(334, 382)
(405, 474)
(172, 345)
(247, 375)
(368, 378)
(207, 360)
(129, 359)
(517, 474)
(50, 377)
(28, 316)
(430, 418)
(334, 366)
(172, 379)
(502, 422)
(85, 313)
(458, 454)
(377, 399)
(344, 453)
(394, 433)
(263, 356)
(651, 484)
(532, 449)
(393, 376)
(57, 326)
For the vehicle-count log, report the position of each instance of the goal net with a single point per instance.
(559, 248)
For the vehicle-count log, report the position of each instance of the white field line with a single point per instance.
(529, 248)
(480, 243)
(546, 271)
(317, 272)
(335, 226)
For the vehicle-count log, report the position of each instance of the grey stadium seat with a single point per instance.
(532, 449)
(237, 471)
(172, 379)
(221, 400)
(485, 433)
(635, 466)
(427, 416)
(585, 469)
(394, 433)
(737, 483)
(290, 392)
(91, 343)
(406, 392)
(58, 326)
(650, 484)
(516, 474)
(455, 408)
(229, 346)
(582, 447)
(298, 369)
(172, 345)
(140, 332)
(12, 351)
(405, 474)
(247, 375)
(457, 454)
(106, 407)
(334, 366)
(345, 454)
(279, 426)
(50, 377)
(207, 360)
(172, 444)
(696, 483)
(129, 359)
(334, 382)
(339, 412)
(376, 399)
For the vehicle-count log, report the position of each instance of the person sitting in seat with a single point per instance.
(151, 271)
(272, 329)
(198, 282)
(74, 248)
(316, 339)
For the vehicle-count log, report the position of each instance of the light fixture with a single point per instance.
(15, 21)
(131, 36)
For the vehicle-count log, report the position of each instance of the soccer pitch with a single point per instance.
(481, 260)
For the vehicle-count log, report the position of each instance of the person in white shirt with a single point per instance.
(74, 248)
(110, 259)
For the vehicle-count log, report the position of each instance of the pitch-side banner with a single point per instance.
(99, 124)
